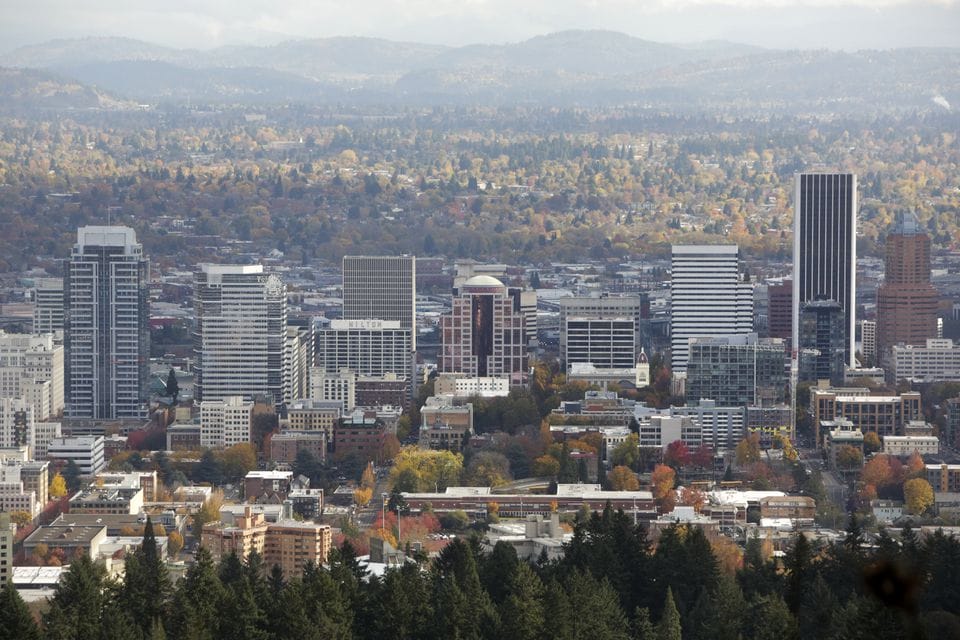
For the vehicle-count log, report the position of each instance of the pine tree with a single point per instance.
(196, 604)
(117, 624)
(173, 387)
(77, 602)
(669, 626)
(16, 623)
(770, 619)
(643, 628)
(522, 610)
(146, 587)
(798, 563)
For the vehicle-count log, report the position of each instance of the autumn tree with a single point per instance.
(58, 486)
(748, 450)
(426, 470)
(546, 465)
(849, 457)
(362, 496)
(662, 480)
(621, 478)
(917, 495)
(368, 480)
(677, 454)
(871, 442)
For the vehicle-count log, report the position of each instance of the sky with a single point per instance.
(203, 24)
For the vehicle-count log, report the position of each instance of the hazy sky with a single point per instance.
(844, 24)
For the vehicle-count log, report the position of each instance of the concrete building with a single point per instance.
(841, 433)
(635, 377)
(31, 367)
(108, 500)
(952, 427)
(720, 427)
(314, 416)
(780, 311)
(825, 250)
(483, 335)
(18, 428)
(382, 288)
(340, 386)
(13, 495)
(368, 347)
(453, 384)
(72, 539)
(937, 361)
(605, 342)
(226, 422)
(770, 421)
(883, 415)
(906, 301)
(622, 307)
(298, 358)
(658, 431)
(708, 298)
(944, 478)
(85, 451)
(908, 445)
(868, 340)
(359, 434)
(445, 424)
(247, 534)
(737, 371)
(293, 545)
(146, 480)
(106, 339)
(240, 333)
(257, 484)
(184, 437)
(6, 549)
(48, 306)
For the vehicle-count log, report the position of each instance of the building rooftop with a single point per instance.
(231, 269)
(58, 536)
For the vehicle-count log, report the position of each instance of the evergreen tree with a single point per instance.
(669, 626)
(770, 619)
(196, 604)
(643, 628)
(146, 586)
(173, 387)
(718, 614)
(757, 576)
(496, 568)
(606, 620)
(400, 608)
(117, 624)
(522, 611)
(16, 623)
(77, 602)
(799, 565)
(817, 615)
(325, 605)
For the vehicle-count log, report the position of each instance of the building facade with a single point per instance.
(737, 371)
(906, 301)
(937, 361)
(883, 415)
(708, 298)
(32, 367)
(629, 307)
(106, 337)
(823, 341)
(383, 288)
(825, 249)
(85, 451)
(224, 423)
(48, 306)
(240, 334)
(483, 335)
(606, 343)
(368, 347)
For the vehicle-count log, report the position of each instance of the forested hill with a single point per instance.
(571, 67)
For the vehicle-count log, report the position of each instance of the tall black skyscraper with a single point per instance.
(825, 250)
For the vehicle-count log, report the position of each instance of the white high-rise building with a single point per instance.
(708, 298)
(609, 307)
(106, 337)
(224, 423)
(31, 367)
(367, 347)
(85, 451)
(48, 306)
(381, 287)
(334, 387)
(240, 334)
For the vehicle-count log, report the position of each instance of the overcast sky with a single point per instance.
(838, 24)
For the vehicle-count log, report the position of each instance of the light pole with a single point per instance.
(383, 510)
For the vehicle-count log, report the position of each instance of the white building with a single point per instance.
(868, 339)
(85, 451)
(224, 423)
(19, 428)
(720, 427)
(13, 495)
(48, 306)
(938, 361)
(708, 298)
(908, 445)
(661, 429)
(625, 307)
(453, 384)
(31, 367)
(368, 347)
(334, 387)
(106, 337)
(240, 334)
(7, 533)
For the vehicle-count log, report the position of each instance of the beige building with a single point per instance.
(908, 445)
(31, 366)
(247, 534)
(883, 415)
(316, 416)
(224, 423)
(445, 425)
(6, 549)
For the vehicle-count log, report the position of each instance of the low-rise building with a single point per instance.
(886, 511)
(908, 445)
(455, 384)
(360, 434)
(108, 500)
(247, 534)
(184, 436)
(69, 538)
(257, 484)
(841, 433)
(445, 424)
(944, 477)
(146, 480)
(85, 451)
(799, 509)
(880, 414)
(338, 387)
(938, 361)
(293, 545)
(285, 446)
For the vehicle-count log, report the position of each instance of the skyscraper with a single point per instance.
(106, 337)
(708, 298)
(825, 249)
(240, 333)
(906, 301)
(48, 305)
(382, 288)
(483, 334)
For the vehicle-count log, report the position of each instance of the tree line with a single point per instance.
(612, 583)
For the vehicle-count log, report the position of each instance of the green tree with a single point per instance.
(522, 610)
(16, 623)
(770, 619)
(146, 587)
(195, 612)
(799, 566)
(643, 628)
(71, 473)
(669, 626)
(173, 387)
(77, 602)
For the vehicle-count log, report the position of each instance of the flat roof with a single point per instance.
(231, 269)
(58, 536)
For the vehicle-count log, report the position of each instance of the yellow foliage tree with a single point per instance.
(918, 495)
(621, 478)
(427, 470)
(368, 480)
(174, 543)
(21, 518)
(362, 496)
(748, 450)
(58, 487)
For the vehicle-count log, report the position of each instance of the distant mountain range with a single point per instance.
(570, 67)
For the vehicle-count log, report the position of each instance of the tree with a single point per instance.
(174, 543)
(770, 619)
(428, 470)
(173, 387)
(627, 452)
(849, 457)
(871, 442)
(918, 495)
(58, 487)
(523, 612)
(546, 466)
(146, 586)
(77, 602)
(621, 478)
(238, 460)
(677, 454)
(15, 619)
(71, 473)
(669, 626)
(21, 518)
(877, 472)
(362, 496)
(662, 479)
(487, 469)
(748, 450)
(915, 467)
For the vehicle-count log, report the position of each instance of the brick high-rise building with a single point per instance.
(906, 301)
